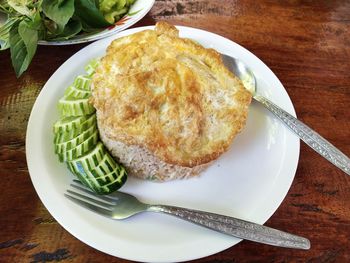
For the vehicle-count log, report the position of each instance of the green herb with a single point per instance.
(59, 12)
(32, 20)
(22, 7)
(89, 14)
(71, 29)
(23, 41)
(5, 33)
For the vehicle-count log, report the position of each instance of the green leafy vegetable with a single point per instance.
(90, 15)
(21, 6)
(32, 20)
(4, 7)
(70, 30)
(5, 33)
(59, 11)
(23, 43)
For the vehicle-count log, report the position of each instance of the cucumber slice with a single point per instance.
(105, 172)
(98, 170)
(73, 92)
(106, 166)
(77, 139)
(113, 186)
(77, 123)
(80, 150)
(109, 178)
(69, 107)
(90, 160)
(103, 169)
(81, 179)
(97, 178)
(82, 82)
(91, 67)
(68, 123)
(62, 137)
(70, 144)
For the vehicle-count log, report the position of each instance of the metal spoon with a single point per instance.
(309, 136)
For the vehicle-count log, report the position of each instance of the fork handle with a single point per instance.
(236, 227)
(309, 136)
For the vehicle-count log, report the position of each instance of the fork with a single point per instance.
(119, 205)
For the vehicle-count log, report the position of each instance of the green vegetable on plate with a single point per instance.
(77, 142)
(29, 21)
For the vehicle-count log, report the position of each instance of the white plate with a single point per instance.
(249, 181)
(136, 12)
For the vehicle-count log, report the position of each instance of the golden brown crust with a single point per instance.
(169, 95)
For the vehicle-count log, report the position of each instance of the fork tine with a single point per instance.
(112, 197)
(77, 181)
(91, 200)
(82, 188)
(115, 196)
(89, 206)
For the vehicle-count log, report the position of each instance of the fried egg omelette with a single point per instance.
(166, 106)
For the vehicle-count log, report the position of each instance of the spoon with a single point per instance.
(309, 136)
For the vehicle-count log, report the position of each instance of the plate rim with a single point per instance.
(127, 32)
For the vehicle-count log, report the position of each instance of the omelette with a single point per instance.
(166, 106)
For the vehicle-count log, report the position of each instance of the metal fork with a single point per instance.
(120, 205)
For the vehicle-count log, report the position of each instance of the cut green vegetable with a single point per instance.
(82, 82)
(91, 67)
(77, 139)
(79, 150)
(74, 92)
(63, 146)
(23, 41)
(67, 124)
(75, 107)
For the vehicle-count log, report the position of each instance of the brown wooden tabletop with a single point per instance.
(305, 43)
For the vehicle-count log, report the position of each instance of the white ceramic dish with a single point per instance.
(137, 11)
(249, 181)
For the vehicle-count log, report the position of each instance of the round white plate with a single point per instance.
(136, 12)
(249, 181)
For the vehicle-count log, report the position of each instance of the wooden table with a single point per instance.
(305, 43)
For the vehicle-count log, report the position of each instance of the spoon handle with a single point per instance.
(236, 227)
(309, 136)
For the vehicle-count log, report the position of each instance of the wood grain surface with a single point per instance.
(305, 43)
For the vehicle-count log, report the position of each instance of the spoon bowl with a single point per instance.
(241, 71)
(308, 135)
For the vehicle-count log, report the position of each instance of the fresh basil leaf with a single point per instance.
(38, 24)
(23, 43)
(70, 30)
(89, 14)
(4, 7)
(5, 32)
(59, 11)
(21, 6)
(51, 27)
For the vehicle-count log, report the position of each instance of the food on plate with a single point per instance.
(77, 139)
(52, 20)
(166, 107)
(114, 10)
